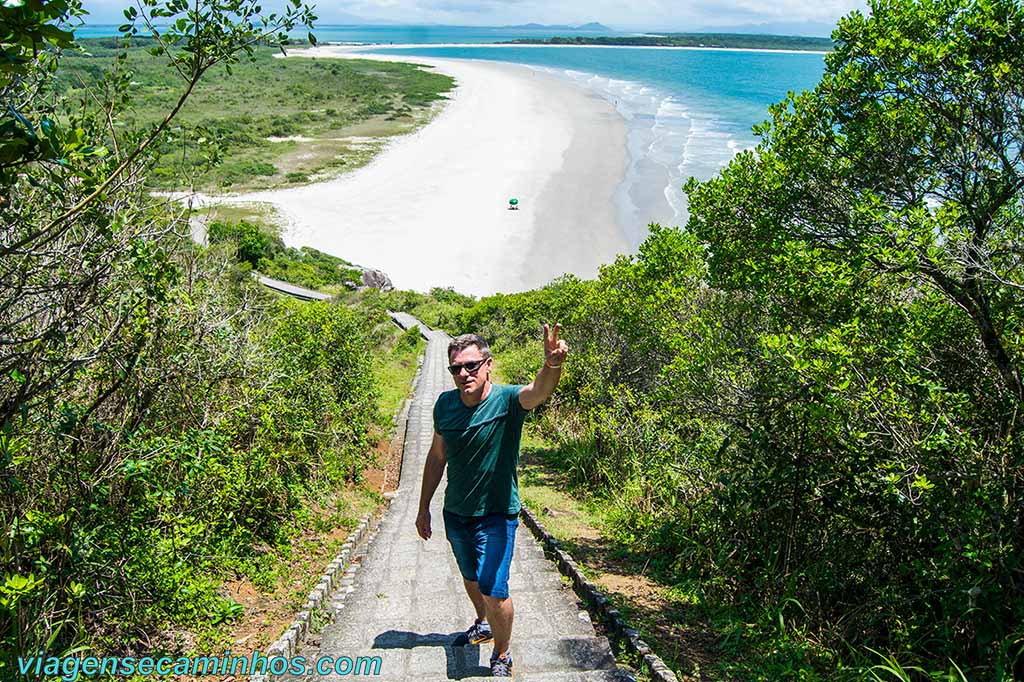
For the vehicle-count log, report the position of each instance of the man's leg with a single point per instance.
(473, 590)
(500, 538)
(499, 615)
(462, 535)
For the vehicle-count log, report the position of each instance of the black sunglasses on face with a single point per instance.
(470, 367)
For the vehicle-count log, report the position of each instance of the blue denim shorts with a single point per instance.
(483, 548)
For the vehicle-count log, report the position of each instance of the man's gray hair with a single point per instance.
(465, 341)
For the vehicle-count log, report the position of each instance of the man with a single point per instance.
(477, 429)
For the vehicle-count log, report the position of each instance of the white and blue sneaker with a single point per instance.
(478, 633)
(501, 666)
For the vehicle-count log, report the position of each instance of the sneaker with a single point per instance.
(501, 666)
(478, 633)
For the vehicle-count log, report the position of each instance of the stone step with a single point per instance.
(433, 657)
(613, 675)
(563, 653)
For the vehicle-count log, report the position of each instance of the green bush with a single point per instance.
(840, 444)
(262, 249)
(240, 410)
(442, 308)
(409, 339)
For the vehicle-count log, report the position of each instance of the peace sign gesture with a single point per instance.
(555, 349)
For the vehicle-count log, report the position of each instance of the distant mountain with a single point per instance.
(592, 26)
(709, 40)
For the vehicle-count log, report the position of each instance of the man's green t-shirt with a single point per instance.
(482, 447)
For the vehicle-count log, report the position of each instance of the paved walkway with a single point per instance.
(292, 290)
(407, 602)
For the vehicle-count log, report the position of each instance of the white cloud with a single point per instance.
(645, 14)
(627, 14)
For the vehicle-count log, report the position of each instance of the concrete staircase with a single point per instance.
(406, 602)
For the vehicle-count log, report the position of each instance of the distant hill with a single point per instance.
(592, 26)
(720, 40)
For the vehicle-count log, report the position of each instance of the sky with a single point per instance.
(816, 17)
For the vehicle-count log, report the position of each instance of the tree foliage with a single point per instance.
(160, 417)
(878, 227)
(806, 403)
(905, 160)
(261, 248)
(73, 185)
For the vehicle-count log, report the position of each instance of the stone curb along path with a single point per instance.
(598, 601)
(401, 602)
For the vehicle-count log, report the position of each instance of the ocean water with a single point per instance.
(688, 111)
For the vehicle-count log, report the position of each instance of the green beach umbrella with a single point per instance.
(513, 201)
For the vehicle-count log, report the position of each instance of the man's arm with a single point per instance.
(432, 472)
(555, 352)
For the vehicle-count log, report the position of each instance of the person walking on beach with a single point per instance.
(477, 429)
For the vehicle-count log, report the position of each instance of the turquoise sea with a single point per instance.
(688, 110)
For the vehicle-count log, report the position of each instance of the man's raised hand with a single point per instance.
(555, 349)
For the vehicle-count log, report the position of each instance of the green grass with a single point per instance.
(260, 214)
(394, 377)
(348, 107)
(541, 488)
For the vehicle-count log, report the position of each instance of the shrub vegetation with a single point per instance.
(260, 248)
(164, 422)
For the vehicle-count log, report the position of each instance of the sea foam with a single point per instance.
(669, 140)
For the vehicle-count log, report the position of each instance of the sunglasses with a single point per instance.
(470, 367)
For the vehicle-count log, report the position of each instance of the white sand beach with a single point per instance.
(432, 208)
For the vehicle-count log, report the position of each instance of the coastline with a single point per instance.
(678, 126)
(432, 208)
(410, 46)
